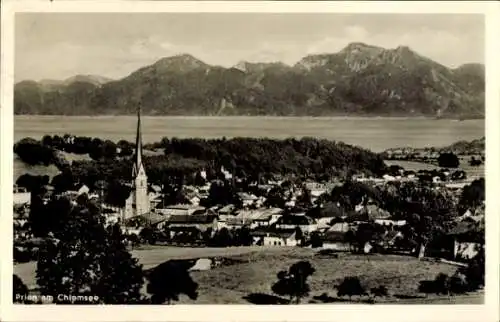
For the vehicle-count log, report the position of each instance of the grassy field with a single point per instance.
(256, 269)
(232, 284)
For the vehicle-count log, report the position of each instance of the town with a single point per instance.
(427, 214)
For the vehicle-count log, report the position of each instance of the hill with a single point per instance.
(358, 80)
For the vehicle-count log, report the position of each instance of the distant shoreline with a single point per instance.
(333, 117)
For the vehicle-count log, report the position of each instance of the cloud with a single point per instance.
(62, 49)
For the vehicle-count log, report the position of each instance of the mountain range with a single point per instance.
(358, 80)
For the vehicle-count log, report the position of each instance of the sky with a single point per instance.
(61, 45)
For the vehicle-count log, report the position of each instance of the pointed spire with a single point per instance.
(138, 142)
(138, 145)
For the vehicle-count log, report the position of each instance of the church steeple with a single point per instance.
(138, 201)
(138, 166)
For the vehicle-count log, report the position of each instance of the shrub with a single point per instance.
(458, 284)
(448, 160)
(293, 283)
(169, 280)
(350, 286)
(380, 291)
(19, 290)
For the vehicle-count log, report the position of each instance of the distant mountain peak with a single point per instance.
(93, 79)
(181, 61)
(247, 66)
(359, 46)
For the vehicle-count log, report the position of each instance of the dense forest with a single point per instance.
(249, 158)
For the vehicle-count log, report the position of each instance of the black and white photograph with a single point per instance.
(251, 158)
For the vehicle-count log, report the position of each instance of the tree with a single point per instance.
(149, 235)
(32, 183)
(169, 280)
(305, 199)
(316, 240)
(84, 258)
(117, 193)
(293, 283)
(244, 237)
(64, 181)
(350, 286)
(475, 271)
(379, 291)
(199, 180)
(109, 150)
(125, 148)
(96, 150)
(275, 198)
(32, 152)
(473, 195)
(367, 232)
(221, 193)
(223, 238)
(19, 290)
(442, 284)
(475, 162)
(448, 160)
(299, 235)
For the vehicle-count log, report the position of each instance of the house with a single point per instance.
(21, 196)
(247, 199)
(465, 250)
(83, 190)
(182, 209)
(389, 239)
(336, 240)
(222, 222)
(306, 224)
(468, 239)
(342, 227)
(390, 222)
(324, 223)
(476, 216)
(179, 223)
(226, 210)
(387, 177)
(280, 238)
(155, 199)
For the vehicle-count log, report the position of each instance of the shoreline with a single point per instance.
(326, 117)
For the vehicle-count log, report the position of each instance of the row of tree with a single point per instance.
(245, 157)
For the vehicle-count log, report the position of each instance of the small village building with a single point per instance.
(390, 222)
(280, 238)
(21, 196)
(336, 240)
(324, 223)
(226, 210)
(342, 227)
(182, 209)
(247, 199)
(305, 223)
(468, 239)
(186, 223)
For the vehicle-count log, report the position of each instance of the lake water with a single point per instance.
(376, 134)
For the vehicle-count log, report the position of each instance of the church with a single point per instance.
(138, 203)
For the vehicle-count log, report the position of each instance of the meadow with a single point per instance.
(254, 271)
